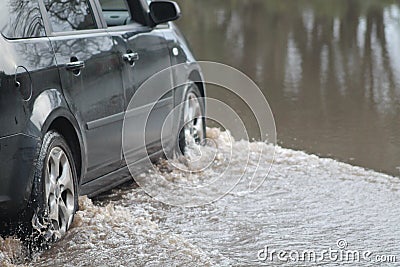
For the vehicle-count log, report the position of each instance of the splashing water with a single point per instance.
(306, 202)
(11, 252)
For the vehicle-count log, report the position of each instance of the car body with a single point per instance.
(72, 67)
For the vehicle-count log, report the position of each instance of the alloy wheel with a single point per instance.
(193, 118)
(59, 192)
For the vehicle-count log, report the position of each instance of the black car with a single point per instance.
(68, 69)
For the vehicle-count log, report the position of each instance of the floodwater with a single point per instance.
(306, 203)
(331, 73)
(329, 69)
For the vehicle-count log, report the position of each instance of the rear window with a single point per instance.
(21, 19)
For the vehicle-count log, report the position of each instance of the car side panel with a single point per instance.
(153, 53)
(95, 96)
(25, 62)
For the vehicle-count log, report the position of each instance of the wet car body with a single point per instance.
(79, 82)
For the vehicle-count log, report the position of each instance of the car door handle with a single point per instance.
(130, 57)
(75, 65)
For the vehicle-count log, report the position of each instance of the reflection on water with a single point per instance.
(330, 69)
(331, 72)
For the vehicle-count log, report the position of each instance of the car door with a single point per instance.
(90, 73)
(146, 53)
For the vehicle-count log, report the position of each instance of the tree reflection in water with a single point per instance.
(330, 69)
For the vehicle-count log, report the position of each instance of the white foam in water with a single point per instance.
(119, 236)
(11, 251)
(306, 203)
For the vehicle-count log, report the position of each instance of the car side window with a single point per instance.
(124, 12)
(70, 15)
(21, 19)
(115, 12)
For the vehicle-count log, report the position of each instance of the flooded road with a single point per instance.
(331, 73)
(307, 203)
(329, 69)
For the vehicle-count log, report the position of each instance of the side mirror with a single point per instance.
(164, 11)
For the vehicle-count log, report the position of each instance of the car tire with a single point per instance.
(193, 126)
(55, 193)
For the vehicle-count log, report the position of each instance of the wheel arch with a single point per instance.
(51, 112)
(65, 128)
(196, 77)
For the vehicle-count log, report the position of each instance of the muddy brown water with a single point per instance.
(331, 73)
(329, 69)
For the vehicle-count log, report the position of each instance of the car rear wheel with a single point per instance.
(193, 130)
(55, 194)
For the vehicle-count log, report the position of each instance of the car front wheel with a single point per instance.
(193, 130)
